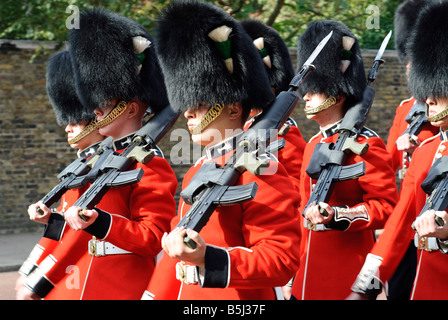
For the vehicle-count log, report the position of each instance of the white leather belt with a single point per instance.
(186, 273)
(426, 243)
(100, 248)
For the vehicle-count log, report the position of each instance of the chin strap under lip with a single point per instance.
(208, 118)
(330, 101)
(87, 129)
(439, 116)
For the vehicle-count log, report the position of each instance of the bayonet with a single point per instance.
(378, 61)
(308, 66)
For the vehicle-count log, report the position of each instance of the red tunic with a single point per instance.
(255, 243)
(163, 284)
(431, 281)
(134, 219)
(330, 259)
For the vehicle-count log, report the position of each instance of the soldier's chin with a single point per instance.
(207, 137)
(310, 115)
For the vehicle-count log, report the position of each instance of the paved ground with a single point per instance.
(7, 283)
(14, 250)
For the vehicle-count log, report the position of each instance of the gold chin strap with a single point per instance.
(208, 118)
(324, 105)
(442, 114)
(87, 129)
(113, 114)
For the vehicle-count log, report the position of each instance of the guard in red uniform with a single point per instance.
(427, 81)
(330, 254)
(279, 69)
(399, 143)
(118, 77)
(244, 250)
(81, 134)
(400, 146)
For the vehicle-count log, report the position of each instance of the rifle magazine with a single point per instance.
(238, 194)
(126, 178)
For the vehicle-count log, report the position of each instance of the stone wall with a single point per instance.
(33, 148)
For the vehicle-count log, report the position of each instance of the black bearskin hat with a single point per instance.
(404, 22)
(61, 90)
(274, 52)
(329, 77)
(428, 48)
(107, 57)
(196, 70)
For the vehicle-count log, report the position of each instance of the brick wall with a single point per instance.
(33, 148)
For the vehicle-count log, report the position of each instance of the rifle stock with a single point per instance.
(417, 120)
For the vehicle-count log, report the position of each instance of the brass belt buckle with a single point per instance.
(310, 225)
(93, 247)
(181, 273)
(423, 243)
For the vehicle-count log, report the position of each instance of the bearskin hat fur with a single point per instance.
(106, 63)
(404, 22)
(195, 70)
(280, 70)
(428, 49)
(61, 90)
(328, 77)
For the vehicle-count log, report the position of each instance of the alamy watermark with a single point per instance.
(373, 20)
(72, 21)
(72, 280)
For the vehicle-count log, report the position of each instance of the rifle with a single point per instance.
(327, 158)
(214, 185)
(416, 119)
(114, 171)
(77, 174)
(436, 185)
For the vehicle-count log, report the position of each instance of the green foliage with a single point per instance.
(46, 19)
